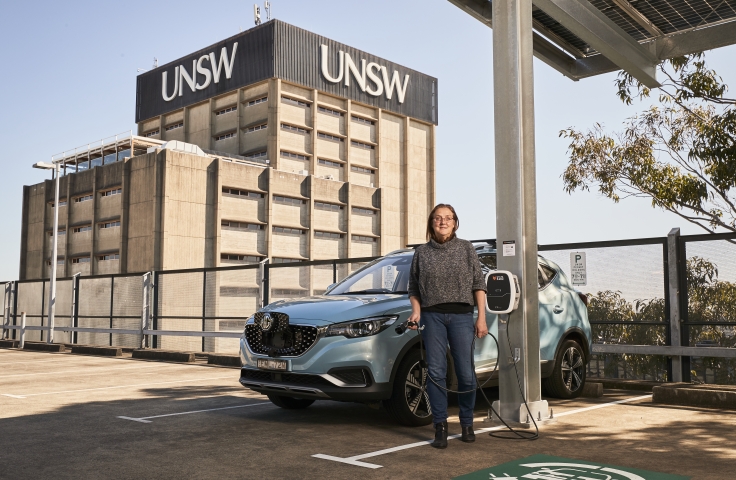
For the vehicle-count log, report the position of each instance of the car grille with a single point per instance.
(293, 378)
(283, 341)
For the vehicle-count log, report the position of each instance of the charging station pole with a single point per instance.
(516, 207)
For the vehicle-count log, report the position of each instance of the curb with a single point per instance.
(592, 390)
(620, 384)
(168, 355)
(8, 343)
(105, 351)
(225, 360)
(45, 347)
(686, 394)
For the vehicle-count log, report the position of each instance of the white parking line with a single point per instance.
(355, 460)
(148, 419)
(25, 395)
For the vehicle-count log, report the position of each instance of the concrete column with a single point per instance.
(348, 122)
(405, 186)
(68, 236)
(124, 216)
(673, 261)
(349, 222)
(516, 221)
(274, 117)
(268, 205)
(433, 171)
(93, 246)
(313, 134)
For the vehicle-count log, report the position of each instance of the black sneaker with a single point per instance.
(468, 435)
(440, 435)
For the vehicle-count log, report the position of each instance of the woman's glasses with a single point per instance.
(439, 220)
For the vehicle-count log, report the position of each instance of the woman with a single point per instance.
(445, 283)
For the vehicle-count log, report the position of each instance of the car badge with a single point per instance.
(266, 322)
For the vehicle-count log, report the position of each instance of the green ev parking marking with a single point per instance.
(546, 467)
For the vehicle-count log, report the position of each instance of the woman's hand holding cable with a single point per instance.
(416, 309)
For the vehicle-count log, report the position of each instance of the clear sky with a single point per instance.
(69, 79)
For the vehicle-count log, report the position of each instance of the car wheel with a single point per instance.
(290, 403)
(568, 377)
(409, 402)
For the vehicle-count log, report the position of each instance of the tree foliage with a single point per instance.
(680, 153)
(710, 301)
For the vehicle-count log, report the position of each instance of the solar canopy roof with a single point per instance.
(582, 38)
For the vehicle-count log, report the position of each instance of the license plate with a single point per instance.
(269, 364)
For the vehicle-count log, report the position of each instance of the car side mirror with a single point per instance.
(503, 291)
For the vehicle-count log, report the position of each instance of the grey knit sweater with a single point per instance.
(445, 273)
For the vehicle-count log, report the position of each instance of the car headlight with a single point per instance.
(364, 327)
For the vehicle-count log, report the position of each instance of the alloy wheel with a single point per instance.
(572, 369)
(416, 391)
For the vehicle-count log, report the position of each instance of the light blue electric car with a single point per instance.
(344, 346)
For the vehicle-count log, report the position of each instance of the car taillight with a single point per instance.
(583, 297)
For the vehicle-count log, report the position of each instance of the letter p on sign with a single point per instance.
(578, 268)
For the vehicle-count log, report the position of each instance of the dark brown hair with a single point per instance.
(430, 220)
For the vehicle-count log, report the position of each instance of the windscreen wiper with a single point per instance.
(372, 290)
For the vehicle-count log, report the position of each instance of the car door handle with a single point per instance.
(557, 309)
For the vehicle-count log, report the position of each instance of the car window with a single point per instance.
(385, 275)
(488, 262)
(545, 275)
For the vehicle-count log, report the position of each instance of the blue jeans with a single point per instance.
(457, 330)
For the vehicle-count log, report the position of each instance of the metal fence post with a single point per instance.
(22, 329)
(155, 309)
(112, 300)
(264, 284)
(43, 304)
(74, 318)
(683, 306)
(6, 310)
(204, 305)
(673, 276)
(146, 308)
(15, 306)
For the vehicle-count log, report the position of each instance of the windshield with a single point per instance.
(385, 275)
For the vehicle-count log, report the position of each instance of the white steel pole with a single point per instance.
(516, 207)
(54, 253)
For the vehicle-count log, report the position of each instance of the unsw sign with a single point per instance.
(279, 50)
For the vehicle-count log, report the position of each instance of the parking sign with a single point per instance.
(578, 268)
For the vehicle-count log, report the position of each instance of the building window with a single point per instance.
(327, 136)
(363, 120)
(293, 155)
(287, 200)
(241, 225)
(364, 146)
(80, 260)
(327, 234)
(234, 257)
(108, 256)
(363, 211)
(294, 101)
(257, 101)
(151, 133)
(224, 136)
(61, 232)
(85, 228)
(62, 203)
(288, 292)
(294, 231)
(241, 193)
(285, 260)
(174, 126)
(255, 128)
(330, 111)
(226, 110)
(361, 169)
(329, 163)
(327, 206)
(82, 199)
(110, 224)
(364, 239)
(262, 154)
(109, 193)
(293, 128)
(60, 261)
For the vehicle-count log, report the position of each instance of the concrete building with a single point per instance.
(275, 143)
